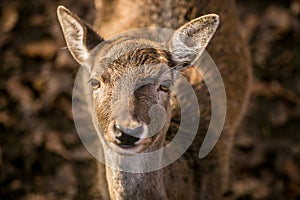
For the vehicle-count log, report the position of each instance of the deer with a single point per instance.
(208, 24)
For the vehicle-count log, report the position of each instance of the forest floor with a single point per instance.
(42, 157)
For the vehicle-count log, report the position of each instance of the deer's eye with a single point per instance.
(165, 86)
(95, 83)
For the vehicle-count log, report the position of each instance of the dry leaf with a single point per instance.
(54, 144)
(45, 49)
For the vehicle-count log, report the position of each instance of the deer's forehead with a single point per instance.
(129, 50)
(134, 74)
(138, 59)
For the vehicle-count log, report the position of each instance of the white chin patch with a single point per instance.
(126, 151)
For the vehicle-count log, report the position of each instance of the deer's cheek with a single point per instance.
(102, 110)
(163, 99)
(103, 117)
(98, 98)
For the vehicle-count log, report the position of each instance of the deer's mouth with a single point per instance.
(127, 142)
(137, 147)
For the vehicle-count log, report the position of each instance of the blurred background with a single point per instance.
(41, 156)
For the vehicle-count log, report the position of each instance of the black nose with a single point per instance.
(128, 136)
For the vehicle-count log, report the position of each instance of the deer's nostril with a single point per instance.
(128, 136)
(136, 132)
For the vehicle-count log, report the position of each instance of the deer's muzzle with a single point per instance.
(127, 136)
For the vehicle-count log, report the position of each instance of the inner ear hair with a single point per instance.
(181, 66)
(189, 41)
(80, 36)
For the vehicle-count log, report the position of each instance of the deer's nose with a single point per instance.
(128, 136)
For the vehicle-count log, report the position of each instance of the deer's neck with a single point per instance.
(113, 17)
(127, 186)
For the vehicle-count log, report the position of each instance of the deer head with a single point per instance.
(131, 78)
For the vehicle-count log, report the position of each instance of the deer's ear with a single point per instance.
(189, 41)
(79, 36)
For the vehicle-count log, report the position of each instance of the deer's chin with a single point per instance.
(139, 146)
(143, 145)
(128, 149)
(125, 149)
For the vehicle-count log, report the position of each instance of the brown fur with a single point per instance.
(189, 177)
(231, 55)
